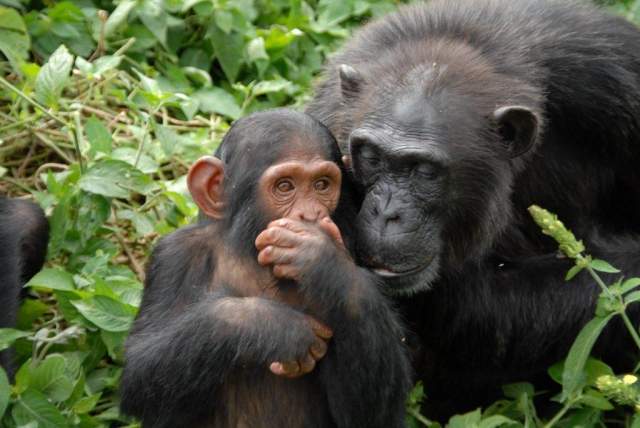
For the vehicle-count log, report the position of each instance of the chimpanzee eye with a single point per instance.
(284, 185)
(426, 169)
(322, 184)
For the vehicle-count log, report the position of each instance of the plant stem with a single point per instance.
(77, 136)
(31, 101)
(631, 328)
(560, 414)
(601, 283)
(426, 422)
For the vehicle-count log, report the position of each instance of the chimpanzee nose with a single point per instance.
(310, 213)
(387, 215)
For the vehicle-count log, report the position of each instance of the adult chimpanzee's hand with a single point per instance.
(294, 247)
(307, 363)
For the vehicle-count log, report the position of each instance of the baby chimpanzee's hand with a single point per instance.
(316, 351)
(294, 247)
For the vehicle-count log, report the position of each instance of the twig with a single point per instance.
(31, 101)
(135, 265)
(53, 147)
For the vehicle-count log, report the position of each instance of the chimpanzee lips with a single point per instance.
(386, 272)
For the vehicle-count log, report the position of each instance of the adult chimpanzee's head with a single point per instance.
(273, 164)
(436, 135)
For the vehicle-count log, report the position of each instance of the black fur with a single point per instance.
(24, 234)
(198, 353)
(491, 304)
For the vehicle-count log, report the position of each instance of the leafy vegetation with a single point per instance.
(103, 107)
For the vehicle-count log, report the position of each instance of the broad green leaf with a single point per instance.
(10, 335)
(217, 100)
(14, 38)
(52, 279)
(515, 390)
(629, 285)
(127, 154)
(632, 297)
(256, 50)
(155, 19)
(5, 392)
(269, 86)
(53, 77)
(115, 179)
(573, 376)
(595, 399)
(224, 20)
(86, 404)
(602, 266)
(118, 16)
(106, 63)
(495, 421)
(50, 378)
(33, 406)
(106, 313)
(595, 368)
(98, 135)
(229, 50)
(468, 420)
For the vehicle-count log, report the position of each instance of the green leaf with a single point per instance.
(495, 421)
(595, 399)
(269, 86)
(53, 77)
(468, 420)
(118, 16)
(5, 392)
(52, 279)
(86, 404)
(10, 335)
(217, 100)
(224, 20)
(14, 38)
(635, 423)
(33, 406)
(602, 266)
(98, 135)
(573, 272)
(155, 19)
(632, 297)
(629, 285)
(229, 49)
(129, 155)
(573, 376)
(50, 378)
(106, 313)
(515, 390)
(115, 179)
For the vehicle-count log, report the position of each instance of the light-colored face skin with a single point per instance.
(306, 190)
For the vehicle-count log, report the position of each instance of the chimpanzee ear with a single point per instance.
(205, 182)
(350, 81)
(518, 126)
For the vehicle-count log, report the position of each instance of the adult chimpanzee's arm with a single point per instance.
(367, 347)
(186, 339)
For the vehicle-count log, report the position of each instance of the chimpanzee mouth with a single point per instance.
(387, 273)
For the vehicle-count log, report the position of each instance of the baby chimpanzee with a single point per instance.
(238, 309)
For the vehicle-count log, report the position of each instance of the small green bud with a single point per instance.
(553, 227)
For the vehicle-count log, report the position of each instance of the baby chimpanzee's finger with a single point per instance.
(277, 236)
(318, 349)
(332, 230)
(275, 256)
(307, 363)
(319, 329)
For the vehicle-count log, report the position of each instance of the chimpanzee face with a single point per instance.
(436, 164)
(303, 190)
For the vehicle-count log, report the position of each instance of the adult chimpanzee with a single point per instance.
(458, 115)
(249, 289)
(24, 234)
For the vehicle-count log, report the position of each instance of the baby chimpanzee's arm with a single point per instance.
(366, 371)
